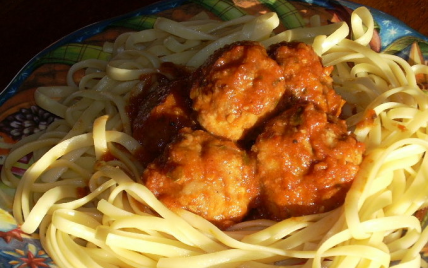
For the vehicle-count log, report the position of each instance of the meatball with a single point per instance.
(306, 162)
(163, 111)
(152, 82)
(206, 175)
(236, 87)
(305, 77)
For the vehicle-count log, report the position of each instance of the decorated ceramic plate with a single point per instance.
(20, 117)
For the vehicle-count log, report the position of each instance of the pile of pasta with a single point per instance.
(84, 195)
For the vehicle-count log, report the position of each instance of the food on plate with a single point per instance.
(86, 195)
(305, 157)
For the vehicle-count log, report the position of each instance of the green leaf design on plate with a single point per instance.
(225, 10)
(377, 26)
(74, 52)
(289, 16)
(136, 23)
(404, 42)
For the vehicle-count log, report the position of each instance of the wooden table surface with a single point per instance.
(27, 27)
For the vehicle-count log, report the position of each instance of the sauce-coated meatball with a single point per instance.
(305, 76)
(204, 174)
(160, 115)
(237, 86)
(306, 162)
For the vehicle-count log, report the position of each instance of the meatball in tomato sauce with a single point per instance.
(306, 79)
(164, 110)
(306, 162)
(204, 174)
(237, 87)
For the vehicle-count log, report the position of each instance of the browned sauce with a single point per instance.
(250, 130)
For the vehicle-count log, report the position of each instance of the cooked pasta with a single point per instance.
(84, 196)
